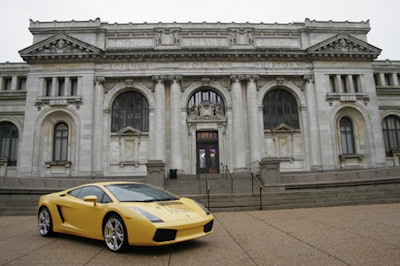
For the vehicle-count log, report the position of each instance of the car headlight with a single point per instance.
(152, 218)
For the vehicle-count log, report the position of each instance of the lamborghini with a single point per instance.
(123, 214)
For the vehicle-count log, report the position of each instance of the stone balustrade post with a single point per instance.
(155, 172)
(270, 171)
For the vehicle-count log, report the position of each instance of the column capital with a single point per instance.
(159, 78)
(236, 78)
(99, 80)
(250, 78)
(308, 78)
(176, 78)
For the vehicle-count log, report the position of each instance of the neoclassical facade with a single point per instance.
(94, 99)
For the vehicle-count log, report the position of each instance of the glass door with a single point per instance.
(207, 152)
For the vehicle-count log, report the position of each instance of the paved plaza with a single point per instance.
(349, 235)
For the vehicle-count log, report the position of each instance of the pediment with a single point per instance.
(344, 45)
(59, 46)
(129, 131)
(283, 128)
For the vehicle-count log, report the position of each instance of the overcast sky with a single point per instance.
(382, 14)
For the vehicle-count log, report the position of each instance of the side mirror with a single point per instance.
(91, 198)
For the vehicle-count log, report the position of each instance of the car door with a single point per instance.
(83, 217)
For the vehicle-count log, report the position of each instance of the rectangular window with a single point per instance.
(7, 81)
(21, 83)
(74, 86)
(48, 85)
(356, 83)
(60, 151)
(377, 79)
(347, 136)
(345, 85)
(332, 81)
(388, 79)
(61, 86)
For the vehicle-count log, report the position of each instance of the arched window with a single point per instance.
(391, 134)
(280, 107)
(60, 148)
(130, 109)
(205, 95)
(9, 142)
(347, 136)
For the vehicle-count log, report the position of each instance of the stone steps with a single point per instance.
(302, 199)
(20, 203)
(20, 196)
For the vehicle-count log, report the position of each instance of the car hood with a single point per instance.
(170, 210)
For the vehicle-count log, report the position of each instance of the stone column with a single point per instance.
(176, 124)
(159, 120)
(14, 83)
(255, 136)
(395, 79)
(314, 139)
(340, 88)
(67, 88)
(382, 80)
(351, 83)
(97, 154)
(54, 86)
(238, 124)
(155, 172)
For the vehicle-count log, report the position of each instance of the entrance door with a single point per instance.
(207, 152)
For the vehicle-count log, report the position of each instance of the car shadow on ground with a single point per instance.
(162, 250)
(138, 250)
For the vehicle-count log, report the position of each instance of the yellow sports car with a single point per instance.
(123, 214)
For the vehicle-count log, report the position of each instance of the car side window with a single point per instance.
(91, 190)
(75, 192)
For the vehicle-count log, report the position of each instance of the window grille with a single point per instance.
(391, 134)
(130, 109)
(280, 107)
(60, 149)
(9, 142)
(347, 136)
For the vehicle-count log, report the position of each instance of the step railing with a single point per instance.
(260, 186)
(208, 190)
(227, 172)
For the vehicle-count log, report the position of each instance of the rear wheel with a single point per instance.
(115, 235)
(45, 222)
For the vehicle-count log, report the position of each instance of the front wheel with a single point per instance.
(45, 222)
(115, 235)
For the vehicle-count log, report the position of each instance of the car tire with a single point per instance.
(115, 234)
(45, 222)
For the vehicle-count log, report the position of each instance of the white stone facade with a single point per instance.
(75, 71)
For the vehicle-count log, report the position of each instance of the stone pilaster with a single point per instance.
(256, 141)
(176, 124)
(159, 120)
(97, 144)
(238, 124)
(314, 139)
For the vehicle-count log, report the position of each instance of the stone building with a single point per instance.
(94, 99)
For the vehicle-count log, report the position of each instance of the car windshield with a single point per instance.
(139, 193)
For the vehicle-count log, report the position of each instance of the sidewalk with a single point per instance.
(350, 235)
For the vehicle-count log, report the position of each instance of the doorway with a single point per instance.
(207, 152)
